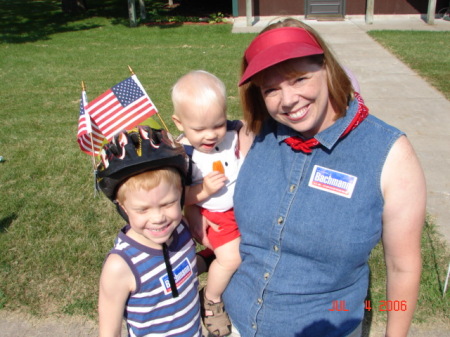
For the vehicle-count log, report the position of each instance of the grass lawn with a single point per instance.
(428, 53)
(54, 233)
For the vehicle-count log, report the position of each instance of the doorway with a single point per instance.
(325, 9)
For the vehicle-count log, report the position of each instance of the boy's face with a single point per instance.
(153, 214)
(204, 129)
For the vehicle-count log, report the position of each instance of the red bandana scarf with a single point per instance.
(307, 145)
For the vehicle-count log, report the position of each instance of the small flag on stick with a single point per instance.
(122, 107)
(89, 136)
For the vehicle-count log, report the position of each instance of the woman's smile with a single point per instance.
(298, 114)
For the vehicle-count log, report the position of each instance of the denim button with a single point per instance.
(280, 220)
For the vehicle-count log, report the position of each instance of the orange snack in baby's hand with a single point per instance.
(217, 166)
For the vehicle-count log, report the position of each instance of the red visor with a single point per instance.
(278, 45)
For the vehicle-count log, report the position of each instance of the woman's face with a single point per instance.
(299, 102)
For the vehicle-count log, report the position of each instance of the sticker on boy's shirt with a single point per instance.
(181, 274)
(332, 181)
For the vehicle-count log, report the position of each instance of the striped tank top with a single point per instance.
(151, 310)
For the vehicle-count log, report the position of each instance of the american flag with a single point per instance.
(122, 107)
(88, 130)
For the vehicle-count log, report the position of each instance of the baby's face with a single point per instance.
(203, 128)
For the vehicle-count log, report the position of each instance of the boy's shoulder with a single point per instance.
(115, 264)
(117, 274)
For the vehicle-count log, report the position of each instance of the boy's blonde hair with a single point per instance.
(149, 180)
(198, 88)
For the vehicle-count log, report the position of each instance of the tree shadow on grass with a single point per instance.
(34, 20)
(30, 20)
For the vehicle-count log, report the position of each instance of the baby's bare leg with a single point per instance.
(222, 268)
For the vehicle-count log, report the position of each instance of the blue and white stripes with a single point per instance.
(152, 310)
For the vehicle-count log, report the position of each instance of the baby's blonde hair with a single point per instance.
(198, 88)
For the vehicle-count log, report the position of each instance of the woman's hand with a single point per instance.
(197, 224)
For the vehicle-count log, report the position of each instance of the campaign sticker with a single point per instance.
(181, 273)
(332, 181)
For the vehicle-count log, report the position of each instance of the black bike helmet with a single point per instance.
(136, 151)
(139, 150)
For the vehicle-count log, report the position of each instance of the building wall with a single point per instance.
(393, 6)
(352, 7)
(274, 7)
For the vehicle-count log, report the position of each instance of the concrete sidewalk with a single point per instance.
(394, 93)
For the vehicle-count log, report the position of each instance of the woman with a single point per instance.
(321, 184)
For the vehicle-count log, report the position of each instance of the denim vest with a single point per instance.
(308, 224)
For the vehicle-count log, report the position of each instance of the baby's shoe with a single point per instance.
(218, 323)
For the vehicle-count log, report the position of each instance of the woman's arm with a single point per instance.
(404, 191)
(116, 283)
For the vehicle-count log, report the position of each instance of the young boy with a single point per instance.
(150, 276)
(213, 145)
